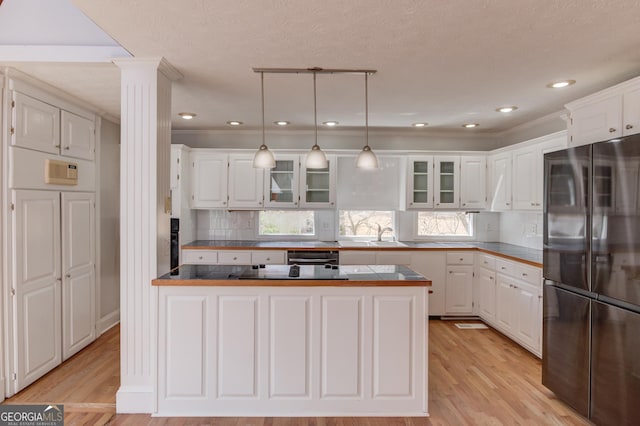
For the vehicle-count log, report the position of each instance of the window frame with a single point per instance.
(385, 237)
(472, 237)
(293, 237)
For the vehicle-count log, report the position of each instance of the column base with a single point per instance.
(134, 400)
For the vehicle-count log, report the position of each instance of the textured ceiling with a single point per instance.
(443, 62)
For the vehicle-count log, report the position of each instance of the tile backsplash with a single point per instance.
(522, 229)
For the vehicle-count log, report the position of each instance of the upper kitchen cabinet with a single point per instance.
(420, 182)
(446, 181)
(245, 183)
(44, 127)
(607, 114)
(209, 180)
(291, 185)
(473, 175)
(499, 181)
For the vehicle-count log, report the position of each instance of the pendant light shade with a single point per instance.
(264, 158)
(316, 159)
(366, 159)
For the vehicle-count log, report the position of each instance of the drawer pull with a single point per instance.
(268, 258)
(430, 291)
(628, 127)
(200, 258)
(503, 268)
(461, 259)
(612, 130)
(235, 258)
(524, 275)
(490, 277)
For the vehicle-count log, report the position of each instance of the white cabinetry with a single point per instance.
(291, 185)
(245, 183)
(54, 279)
(209, 181)
(420, 182)
(233, 257)
(607, 114)
(43, 127)
(446, 181)
(459, 283)
(473, 178)
(432, 265)
(499, 181)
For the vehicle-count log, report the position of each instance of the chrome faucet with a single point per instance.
(382, 230)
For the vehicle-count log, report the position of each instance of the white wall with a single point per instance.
(522, 229)
(109, 192)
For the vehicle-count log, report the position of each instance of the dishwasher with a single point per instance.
(313, 257)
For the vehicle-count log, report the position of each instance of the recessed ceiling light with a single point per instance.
(330, 123)
(281, 123)
(420, 124)
(507, 109)
(470, 125)
(234, 123)
(187, 115)
(561, 84)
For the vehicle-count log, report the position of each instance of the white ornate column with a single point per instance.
(144, 223)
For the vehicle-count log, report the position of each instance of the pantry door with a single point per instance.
(37, 284)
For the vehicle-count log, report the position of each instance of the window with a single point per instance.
(445, 224)
(279, 222)
(364, 223)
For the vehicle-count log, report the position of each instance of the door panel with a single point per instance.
(36, 273)
(37, 124)
(78, 136)
(78, 258)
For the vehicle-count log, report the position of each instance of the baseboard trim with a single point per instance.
(108, 321)
(134, 400)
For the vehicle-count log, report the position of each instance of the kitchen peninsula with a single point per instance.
(238, 340)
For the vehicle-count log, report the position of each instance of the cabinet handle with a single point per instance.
(200, 258)
(524, 275)
(430, 291)
(57, 146)
(451, 272)
(508, 204)
(235, 258)
(68, 276)
(295, 203)
(268, 258)
(611, 130)
(224, 203)
(461, 259)
(503, 268)
(67, 147)
(464, 204)
(628, 127)
(490, 277)
(332, 203)
(533, 204)
(410, 204)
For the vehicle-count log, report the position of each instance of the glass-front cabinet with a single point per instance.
(420, 182)
(291, 185)
(447, 182)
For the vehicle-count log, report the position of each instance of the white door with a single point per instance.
(36, 282)
(245, 183)
(318, 186)
(487, 297)
(36, 124)
(459, 289)
(420, 182)
(78, 137)
(446, 181)
(209, 181)
(500, 182)
(78, 279)
(596, 122)
(504, 303)
(473, 172)
(527, 311)
(281, 183)
(524, 179)
(631, 113)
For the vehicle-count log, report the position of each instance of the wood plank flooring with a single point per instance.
(476, 377)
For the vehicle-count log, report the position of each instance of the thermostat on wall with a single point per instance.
(60, 172)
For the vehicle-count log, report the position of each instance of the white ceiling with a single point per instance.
(443, 62)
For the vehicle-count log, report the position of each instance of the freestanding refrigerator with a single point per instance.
(591, 265)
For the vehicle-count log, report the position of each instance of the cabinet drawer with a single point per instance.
(234, 258)
(199, 257)
(268, 257)
(529, 274)
(460, 258)
(486, 261)
(506, 267)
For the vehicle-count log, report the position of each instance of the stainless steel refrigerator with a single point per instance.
(591, 263)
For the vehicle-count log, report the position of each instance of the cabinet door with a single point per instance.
(318, 186)
(473, 172)
(420, 182)
(78, 136)
(552, 145)
(524, 179)
(500, 182)
(528, 321)
(36, 272)
(505, 303)
(78, 271)
(459, 289)
(433, 266)
(245, 183)
(36, 124)
(631, 113)
(447, 182)
(281, 183)
(596, 122)
(209, 181)
(487, 297)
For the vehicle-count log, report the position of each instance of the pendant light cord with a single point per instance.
(366, 109)
(262, 97)
(315, 110)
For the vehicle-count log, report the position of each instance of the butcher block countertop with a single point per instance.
(526, 255)
(278, 276)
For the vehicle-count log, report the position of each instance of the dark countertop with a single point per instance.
(277, 275)
(509, 251)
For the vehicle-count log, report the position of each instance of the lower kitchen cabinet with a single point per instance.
(233, 257)
(486, 287)
(432, 264)
(459, 290)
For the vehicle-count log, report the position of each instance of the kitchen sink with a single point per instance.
(371, 244)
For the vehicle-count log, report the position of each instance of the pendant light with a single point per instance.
(366, 159)
(264, 158)
(316, 159)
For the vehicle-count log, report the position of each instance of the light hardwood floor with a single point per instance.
(476, 377)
